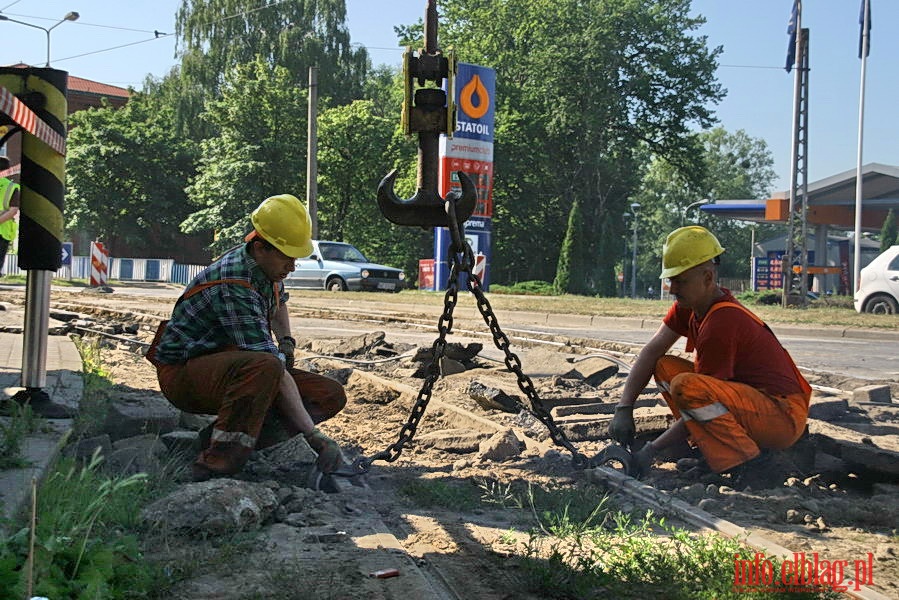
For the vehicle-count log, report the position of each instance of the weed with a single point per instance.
(82, 548)
(13, 428)
(508, 538)
(612, 554)
(436, 492)
(495, 492)
(94, 399)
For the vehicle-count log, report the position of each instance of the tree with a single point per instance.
(735, 166)
(357, 147)
(888, 233)
(126, 175)
(216, 35)
(259, 152)
(583, 87)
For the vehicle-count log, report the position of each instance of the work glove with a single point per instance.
(642, 460)
(287, 346)
(329, 457)
(622, 428)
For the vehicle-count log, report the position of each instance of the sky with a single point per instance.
(115, 42)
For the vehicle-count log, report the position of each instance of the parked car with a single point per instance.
(338, 267)
(879, 289)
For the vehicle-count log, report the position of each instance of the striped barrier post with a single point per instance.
(480, 266)
(33, 101)
(99, 264)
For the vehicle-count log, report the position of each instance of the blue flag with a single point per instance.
(862, 45)
(791, 31)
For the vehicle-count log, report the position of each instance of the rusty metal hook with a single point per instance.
(429, 112)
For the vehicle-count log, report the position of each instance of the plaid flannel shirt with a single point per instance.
(223, 315)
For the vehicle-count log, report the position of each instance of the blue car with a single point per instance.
(338, 267)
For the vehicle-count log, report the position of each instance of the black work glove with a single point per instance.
(329, 457)
(622, 428)
(287, 346)
(642, 461)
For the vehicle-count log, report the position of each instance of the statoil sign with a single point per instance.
(470, 150)
(475, 101)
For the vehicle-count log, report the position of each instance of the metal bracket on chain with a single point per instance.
(463, 262)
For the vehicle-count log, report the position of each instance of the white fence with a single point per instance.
(121, 269)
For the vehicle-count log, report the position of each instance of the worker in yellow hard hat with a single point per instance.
(742, 394)
(217, 354)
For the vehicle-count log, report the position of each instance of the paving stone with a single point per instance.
(877, 453)
(647, 420)
(460, 441)
(872, 393)
(827, 409)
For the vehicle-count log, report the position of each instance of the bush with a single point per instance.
(527, 288)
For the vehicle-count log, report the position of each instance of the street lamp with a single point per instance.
(626, 216)
(70, 16)
(634, 207)
(687, 209)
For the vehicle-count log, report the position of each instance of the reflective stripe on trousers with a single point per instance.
(239, 387)
(728, 421)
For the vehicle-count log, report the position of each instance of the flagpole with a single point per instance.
(856, 265)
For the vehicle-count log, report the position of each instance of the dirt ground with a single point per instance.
(398, 516)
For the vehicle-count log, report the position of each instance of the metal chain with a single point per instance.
(463, 262)
(513, 363)
(438, 349)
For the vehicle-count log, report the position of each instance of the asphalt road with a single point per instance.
(874, 356)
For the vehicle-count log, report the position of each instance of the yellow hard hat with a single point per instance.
(687, 247)
(284, 222)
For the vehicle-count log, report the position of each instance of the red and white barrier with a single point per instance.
(30, 122)
(99, 264)
(480, 266)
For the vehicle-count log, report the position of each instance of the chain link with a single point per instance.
(500, 340)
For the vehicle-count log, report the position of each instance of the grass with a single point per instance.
(14, 427)
(581, 546)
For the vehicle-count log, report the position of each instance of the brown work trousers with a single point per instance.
(728, 421)
(239, 387)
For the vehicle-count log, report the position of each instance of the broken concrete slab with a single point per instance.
(490, 398)
(459, 441)
(872, 393)
(594, 370)
(137, 412)
(502, 445)
(827, 409)
(876, 453)
(596, 408)
(647, 420)
(350, 346)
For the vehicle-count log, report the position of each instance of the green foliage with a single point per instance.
(440, 493)
(611, 554)
(18, 423)
(889, 234)
(735, 166)
(357, 145)
(529, 288)
(764, 298)
(94, 405)
(81, 550)
(582, 88)
(126, 174)
(260, 151)
(214, 36)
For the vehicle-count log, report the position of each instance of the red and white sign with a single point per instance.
(99, 264)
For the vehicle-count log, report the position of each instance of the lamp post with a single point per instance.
(70, 16)
(626, 216)
(689, 206)
(634, 207)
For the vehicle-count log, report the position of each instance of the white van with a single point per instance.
(879, 289)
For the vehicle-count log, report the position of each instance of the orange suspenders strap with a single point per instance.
(208, 284)
(802, 382)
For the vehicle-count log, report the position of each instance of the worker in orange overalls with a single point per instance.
(217, 355)
(743, 393)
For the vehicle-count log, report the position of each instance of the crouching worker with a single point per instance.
(216, 354)
(742, 394)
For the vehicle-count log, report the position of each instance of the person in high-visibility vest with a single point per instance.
(743, 393)
(217, 354)
(9, 209)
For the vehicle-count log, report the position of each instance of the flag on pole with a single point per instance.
(864, 33)
(791, 31)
